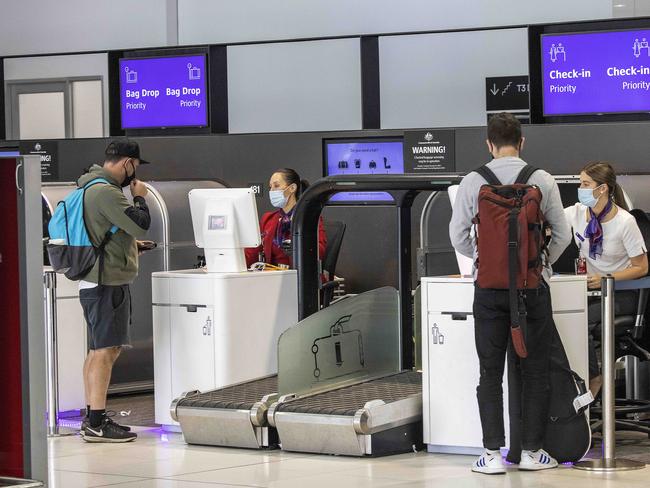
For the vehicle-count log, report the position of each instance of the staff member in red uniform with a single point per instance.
(285, 188)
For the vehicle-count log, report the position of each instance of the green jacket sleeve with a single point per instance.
(132, 219)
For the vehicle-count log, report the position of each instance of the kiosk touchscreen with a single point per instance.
(225, 222)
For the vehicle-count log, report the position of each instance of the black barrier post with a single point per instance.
(304, 229)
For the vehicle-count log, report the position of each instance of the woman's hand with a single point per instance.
(593, 281)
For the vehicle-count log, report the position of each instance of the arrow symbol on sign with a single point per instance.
(494, 89)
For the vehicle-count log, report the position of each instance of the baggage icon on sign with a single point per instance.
(193, 72)
(340, 353)
(131, 76)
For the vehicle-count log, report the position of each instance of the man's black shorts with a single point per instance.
(107, 310)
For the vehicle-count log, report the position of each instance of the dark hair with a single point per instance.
(504, 130)
(292, 177)
(603, 173)
(113, 158)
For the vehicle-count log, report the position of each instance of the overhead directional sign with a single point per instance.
(507, 94)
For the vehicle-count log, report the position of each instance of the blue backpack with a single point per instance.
(69, 247)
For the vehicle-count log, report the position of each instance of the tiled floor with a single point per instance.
(158, 460)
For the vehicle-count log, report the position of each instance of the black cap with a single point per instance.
(126, 148)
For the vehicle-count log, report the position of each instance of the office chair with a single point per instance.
(334, 231)
(632, 339)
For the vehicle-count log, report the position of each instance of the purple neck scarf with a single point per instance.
(283, 230)
(594, 231)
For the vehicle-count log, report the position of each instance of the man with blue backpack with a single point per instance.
(93, 236)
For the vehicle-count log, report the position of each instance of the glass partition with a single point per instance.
(355, 338)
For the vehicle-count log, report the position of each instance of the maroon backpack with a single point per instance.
(511, 234)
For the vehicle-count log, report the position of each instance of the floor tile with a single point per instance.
(74, 445)
(67, 479)
(159, 459)
(173, 462)
(165, 483)
(333, 480)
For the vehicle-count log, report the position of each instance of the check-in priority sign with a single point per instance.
(508, 94)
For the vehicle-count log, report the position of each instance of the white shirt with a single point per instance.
(622, 240)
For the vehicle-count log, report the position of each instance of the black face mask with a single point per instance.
(129, 178)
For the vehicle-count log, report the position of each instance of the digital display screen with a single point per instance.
(9, 154)
(164, 92)
(364, 157)
(596, 72)
(217, 222)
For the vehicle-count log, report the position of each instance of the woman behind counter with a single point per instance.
(609, 239)
(285, 188)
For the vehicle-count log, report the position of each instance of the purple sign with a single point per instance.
(367, 157)
(163, 92)
(598, 72)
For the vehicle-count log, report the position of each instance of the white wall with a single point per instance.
(297, 86)
(53, 67)
(209, 21)
(438, 80)
(47, 26)
(631, 8)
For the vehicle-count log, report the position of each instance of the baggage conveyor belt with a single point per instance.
(373, 418)
(233, 416)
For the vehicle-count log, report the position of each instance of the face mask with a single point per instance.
(278, 200)
(586, 196)
(129, 178)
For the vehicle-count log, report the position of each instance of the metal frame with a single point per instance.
(349, 435)
(242, 428)
(30, 212)
(305, 227)
(608, 462)
(46, 85)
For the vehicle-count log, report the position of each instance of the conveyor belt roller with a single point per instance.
(234, 416)
(376, 417)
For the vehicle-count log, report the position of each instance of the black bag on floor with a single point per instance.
(568, 435)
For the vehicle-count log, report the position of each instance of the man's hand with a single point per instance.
(138, 189)
(593, 282)
(145, 246)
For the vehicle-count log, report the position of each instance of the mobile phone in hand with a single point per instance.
(146, 245)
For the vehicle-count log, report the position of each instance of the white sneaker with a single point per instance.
(490, 462)
(536, 460)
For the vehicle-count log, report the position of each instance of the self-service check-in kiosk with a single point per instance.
(218, 325)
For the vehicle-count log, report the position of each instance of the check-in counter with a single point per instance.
(212, 330)
(450, 364)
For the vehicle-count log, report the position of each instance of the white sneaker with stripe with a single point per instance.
(490, 462)
(536, 461)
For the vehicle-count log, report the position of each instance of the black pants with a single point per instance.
(625, 303)
(492, 335)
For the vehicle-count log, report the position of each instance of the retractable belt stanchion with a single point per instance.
(49, 288)
(608, 462)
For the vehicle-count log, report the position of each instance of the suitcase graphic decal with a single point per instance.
(340, 353)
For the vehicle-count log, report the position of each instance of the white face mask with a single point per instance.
(278, 200)
(586, 196)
